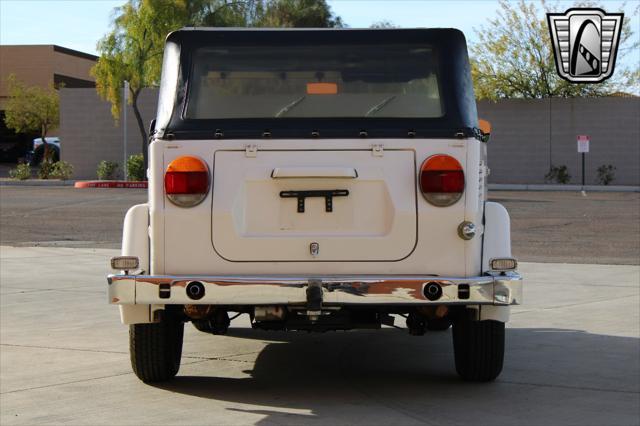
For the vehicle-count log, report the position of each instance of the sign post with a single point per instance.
(583, 148)
(125, 99)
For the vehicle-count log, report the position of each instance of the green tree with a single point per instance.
(132, 50)
(32, 109)
(293, 13)
(385, 23)
(513, 57)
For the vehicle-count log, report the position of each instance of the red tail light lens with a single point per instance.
(186, 181)
(441, 180)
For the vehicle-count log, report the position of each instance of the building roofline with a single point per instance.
(75, 53)
(56, 48)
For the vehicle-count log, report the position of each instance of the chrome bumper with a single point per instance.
(336, 290)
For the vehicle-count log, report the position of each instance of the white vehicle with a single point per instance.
(37, 154)
(316, 180)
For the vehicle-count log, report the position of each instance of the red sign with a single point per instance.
(110, 184)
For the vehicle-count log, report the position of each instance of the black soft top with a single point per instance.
(459, 119)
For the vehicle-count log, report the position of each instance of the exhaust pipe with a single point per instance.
(195, 290)
(432, 291)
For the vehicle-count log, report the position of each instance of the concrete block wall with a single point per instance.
(89, 134)
(613, 125)
(528, 135)
(518, 151)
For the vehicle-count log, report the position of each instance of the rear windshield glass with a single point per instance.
(319, 81)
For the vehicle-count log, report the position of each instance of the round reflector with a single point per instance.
(186, 181)
(441, 180)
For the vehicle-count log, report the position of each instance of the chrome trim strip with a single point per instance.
(502, 289)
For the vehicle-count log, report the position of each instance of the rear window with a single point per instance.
(314, 81)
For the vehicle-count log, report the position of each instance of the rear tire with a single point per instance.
(156, 350)
(478, 348)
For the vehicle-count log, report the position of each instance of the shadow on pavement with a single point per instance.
(551, 376)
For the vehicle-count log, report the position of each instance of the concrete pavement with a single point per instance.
(573, 357)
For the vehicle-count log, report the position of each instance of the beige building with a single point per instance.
(41, 65)
(38, 65)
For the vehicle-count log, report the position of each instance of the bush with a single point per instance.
(135, 168)
(61, 170)
(558, 174)
(21, 172)
(44, 172)
(606, 174)
(107, 170)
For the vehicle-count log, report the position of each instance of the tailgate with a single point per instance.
(351, 205)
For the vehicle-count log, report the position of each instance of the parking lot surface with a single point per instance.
(601, 227)
(572, 357)
(598, 227)
(64, 216)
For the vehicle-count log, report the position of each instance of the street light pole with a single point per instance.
(125, 99)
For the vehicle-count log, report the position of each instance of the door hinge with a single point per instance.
(250, 151)
(484, 170)
(377, 150)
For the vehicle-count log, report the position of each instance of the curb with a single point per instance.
(575, 188)
(36, 182)
(110, 184)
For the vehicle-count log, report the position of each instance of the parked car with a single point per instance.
(35, 156)
(316, 180)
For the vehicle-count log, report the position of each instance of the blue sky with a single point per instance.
(79, 24)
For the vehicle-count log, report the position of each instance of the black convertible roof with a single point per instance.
(456, 89)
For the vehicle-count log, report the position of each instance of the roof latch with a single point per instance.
(377, 150)
(251, 151)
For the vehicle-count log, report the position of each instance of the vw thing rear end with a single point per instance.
(316, 180)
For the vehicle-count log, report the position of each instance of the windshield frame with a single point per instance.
(453, 70)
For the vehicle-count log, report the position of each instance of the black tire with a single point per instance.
(155, 350)
(478, 348)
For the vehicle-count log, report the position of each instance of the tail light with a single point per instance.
(186, 181)
(441, 180)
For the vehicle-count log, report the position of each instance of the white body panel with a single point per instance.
(497, 239)
(135, 235)
(135, 242)
(375, 222)
(181, 240)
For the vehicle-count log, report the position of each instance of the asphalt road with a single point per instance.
(572, 358)
(64, 216)
(546, 226)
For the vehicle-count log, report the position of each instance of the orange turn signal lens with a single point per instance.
(187, 164)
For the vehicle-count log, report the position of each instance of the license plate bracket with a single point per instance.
(327, 194)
